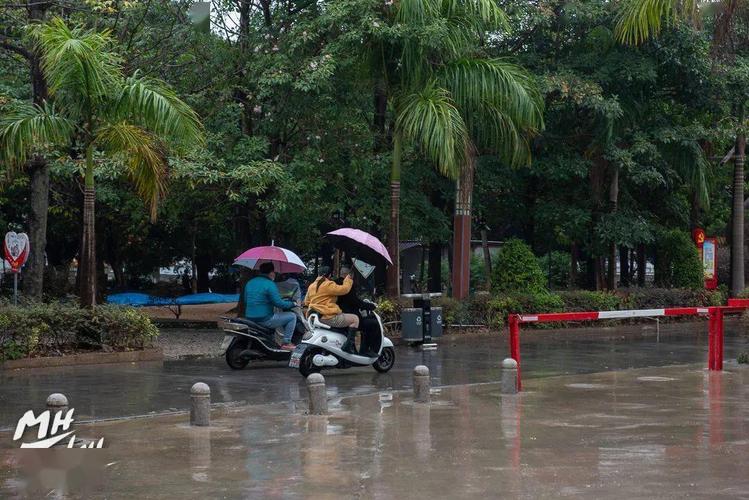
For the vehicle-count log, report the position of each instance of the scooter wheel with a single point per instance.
(306, 366)
(233, 358)
(386, 360)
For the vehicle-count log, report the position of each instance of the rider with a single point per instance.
(261, 294)
(322, 297)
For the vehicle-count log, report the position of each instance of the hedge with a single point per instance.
(492, 310)
(55, 329)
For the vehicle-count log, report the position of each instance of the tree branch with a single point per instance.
(15, 48)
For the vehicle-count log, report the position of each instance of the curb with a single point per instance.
(89, 358)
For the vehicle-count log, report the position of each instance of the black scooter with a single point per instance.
(245, 341)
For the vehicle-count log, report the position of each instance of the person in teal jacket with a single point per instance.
(261, 295)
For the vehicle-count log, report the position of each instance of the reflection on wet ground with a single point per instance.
(665, 432)
(118, 390)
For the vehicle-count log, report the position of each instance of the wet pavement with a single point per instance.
(666, 432)
(122, 390)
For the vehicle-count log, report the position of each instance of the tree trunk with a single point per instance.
(380, 114)
(624, 265)
(642, 263)
(737, 233)
(34, 274)
(597, 178)
(393, 276)
(39, 172)
(193, 261)
(613, 205)
(574, 259)
(204, 263)
(487, 259)
(87, 264)
(435, 267)
(461, 272)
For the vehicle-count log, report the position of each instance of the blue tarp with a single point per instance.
(142, 299)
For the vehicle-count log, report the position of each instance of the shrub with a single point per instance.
(584, 300)
(743, 358)
(525, 303)
(678, 263)
(471, 311)
(652, 298)
(516, 270)
(389, 310)
(55, 328)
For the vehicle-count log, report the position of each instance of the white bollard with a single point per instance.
(200, 409)
(57, 402)
(318, 397)
(422, 385)
(509, 376)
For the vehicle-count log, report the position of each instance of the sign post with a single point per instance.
(16, 250)
(708, 250)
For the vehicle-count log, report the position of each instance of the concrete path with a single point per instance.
(669, 432)
(120, 390)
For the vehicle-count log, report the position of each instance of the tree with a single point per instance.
(641, 20)
(449, 99)
(100, 112)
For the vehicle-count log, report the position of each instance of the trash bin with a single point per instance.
(411, 324)
(436, 321)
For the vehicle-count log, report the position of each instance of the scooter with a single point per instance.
(245, 341)
(327, 347)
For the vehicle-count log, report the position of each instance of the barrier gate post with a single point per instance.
(515, 343)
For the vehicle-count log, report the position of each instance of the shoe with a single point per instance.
(288, 347)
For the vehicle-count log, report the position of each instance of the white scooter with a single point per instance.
(327, 347)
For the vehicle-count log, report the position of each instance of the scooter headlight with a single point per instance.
(307, 336)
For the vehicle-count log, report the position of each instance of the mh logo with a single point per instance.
(51, 430)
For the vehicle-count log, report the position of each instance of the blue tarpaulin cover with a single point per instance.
(143, 299)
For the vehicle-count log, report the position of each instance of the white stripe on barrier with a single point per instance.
(637, 313)
(528, 319)
(702, 310)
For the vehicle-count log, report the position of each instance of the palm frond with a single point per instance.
(415, 12)
(485, 15)
(76, 61)
(157, 107)
(500, 104)
(640, 20)
(430, 119)
(29, 127)
(143, 154)
(496, 131)
(689, 160)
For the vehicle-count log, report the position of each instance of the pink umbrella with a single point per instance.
(285, 261)
(359, 244)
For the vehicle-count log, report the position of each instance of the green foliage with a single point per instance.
(55, 329)
(559, 270)
(584, 300)
(677, 261)
(743, 357)
(516, 270)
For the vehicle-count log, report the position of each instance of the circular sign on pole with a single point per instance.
(16, 249)
(699, 236)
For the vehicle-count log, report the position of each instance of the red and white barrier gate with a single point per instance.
(715, 324)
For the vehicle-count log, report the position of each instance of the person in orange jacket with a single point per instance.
(322, 297)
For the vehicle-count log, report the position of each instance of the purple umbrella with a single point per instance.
(359, 244)
(285, 261)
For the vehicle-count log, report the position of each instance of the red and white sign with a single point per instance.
(16, 249)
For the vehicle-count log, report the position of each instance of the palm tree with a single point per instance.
(100, 112)
(640, 20)
(449, 99)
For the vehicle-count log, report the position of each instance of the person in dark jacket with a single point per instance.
(261, 296)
